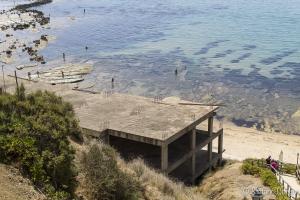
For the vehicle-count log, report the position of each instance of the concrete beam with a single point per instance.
(193, 147)
(188, 155)
(136, 138)
(164, 158)
(210, 132)
(191, 126)
(220, 147)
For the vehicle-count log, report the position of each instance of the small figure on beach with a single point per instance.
(176, 72)
(29, 76)
(38, 74)
(64, 57)
(86, 48)
(268, 160)
(83, 11)
(62, 74)
(112, 83)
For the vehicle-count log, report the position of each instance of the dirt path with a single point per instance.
(230, 183)
(14, 186)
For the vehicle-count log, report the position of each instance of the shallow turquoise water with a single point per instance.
(243, 53)
(130, 27)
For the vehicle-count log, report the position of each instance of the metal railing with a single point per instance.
(298, 168)
(288, 189)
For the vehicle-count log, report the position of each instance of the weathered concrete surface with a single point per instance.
(135, 115)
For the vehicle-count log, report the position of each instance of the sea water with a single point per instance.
(245, 54)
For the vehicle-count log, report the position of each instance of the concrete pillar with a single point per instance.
(192, 148)
(107, 138)
(210, 132)
(164, 157)
(220, 147)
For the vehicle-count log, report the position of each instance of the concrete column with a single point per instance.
(220, 147)
(164, 157)
(193, 147)
(107, 139)
(210, 132)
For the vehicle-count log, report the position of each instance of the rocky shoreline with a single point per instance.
(24, 18)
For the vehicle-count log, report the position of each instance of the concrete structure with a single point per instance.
(173, 136)
(166, 135)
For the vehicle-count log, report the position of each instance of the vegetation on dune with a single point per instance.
(103, 177)
(34, 133)
(255, 168)
(107, 176)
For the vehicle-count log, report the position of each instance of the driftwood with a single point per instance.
(201, 104)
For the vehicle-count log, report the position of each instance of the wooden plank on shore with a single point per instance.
(199, 104)
(23, 78)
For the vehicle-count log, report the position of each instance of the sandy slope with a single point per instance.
(241, 143)
(14, 186)
(230, 183)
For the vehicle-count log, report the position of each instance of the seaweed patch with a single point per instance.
(276, 58)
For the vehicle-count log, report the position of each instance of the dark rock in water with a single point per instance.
(20, 26)
(12, 47)
(249, 47)
(229, 51)
(220, 55)
(291, 65)
(209, 46)
(276, 58)
(276, 71)
(242, 57)
(235, 61)
(223, 54)
(44, 37)
(37, 42)
(8, 52)
(204, 50)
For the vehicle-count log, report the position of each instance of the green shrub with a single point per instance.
(250, 169)
(256, 168)
(104, 179)
(34, 133)
(288, 168)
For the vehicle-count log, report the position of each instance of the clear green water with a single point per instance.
(243, 53)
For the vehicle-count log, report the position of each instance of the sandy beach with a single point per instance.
(241, 143)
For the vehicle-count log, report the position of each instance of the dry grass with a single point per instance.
(155, 186)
